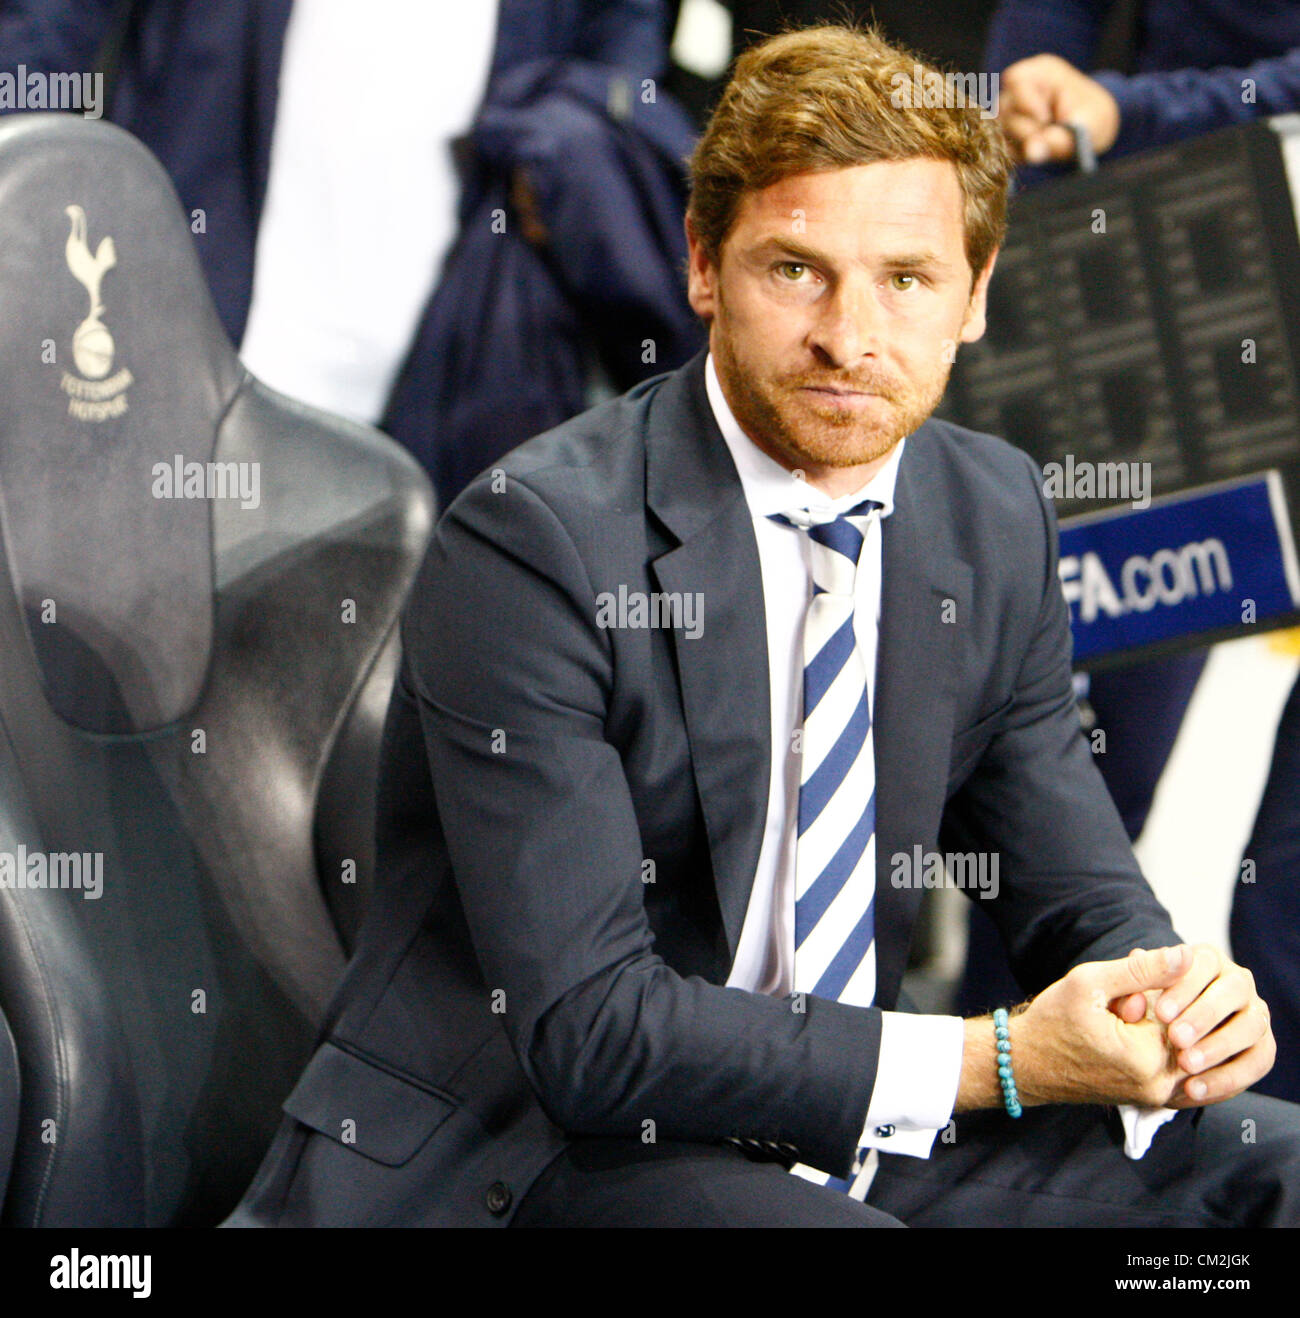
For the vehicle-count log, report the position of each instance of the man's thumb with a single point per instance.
(1142, 970)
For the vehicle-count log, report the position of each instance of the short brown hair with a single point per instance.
(831, 97)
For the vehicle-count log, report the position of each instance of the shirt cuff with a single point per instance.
(917, 1075)
(1140, 1126)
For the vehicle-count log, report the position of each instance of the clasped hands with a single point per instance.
(1174, 1027)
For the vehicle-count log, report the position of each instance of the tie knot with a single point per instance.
(837, 542)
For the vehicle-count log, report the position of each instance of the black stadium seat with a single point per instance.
(199, 586)
(9, 1098)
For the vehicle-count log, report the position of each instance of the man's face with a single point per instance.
(835, 310)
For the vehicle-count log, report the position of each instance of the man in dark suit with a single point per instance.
(600, 982)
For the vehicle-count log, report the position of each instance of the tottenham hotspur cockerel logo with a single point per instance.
(91, 396)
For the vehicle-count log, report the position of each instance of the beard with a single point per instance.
(780, 416)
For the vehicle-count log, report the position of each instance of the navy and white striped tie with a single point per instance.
(835, 854)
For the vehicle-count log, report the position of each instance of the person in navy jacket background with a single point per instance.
(1200, 65)
(200, 84)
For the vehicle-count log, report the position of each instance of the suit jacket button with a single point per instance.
(498, 1198)
(884, 1132)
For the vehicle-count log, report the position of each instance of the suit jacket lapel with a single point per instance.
(926, 593)
(693, 489)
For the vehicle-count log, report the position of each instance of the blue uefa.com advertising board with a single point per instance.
(1189, 565)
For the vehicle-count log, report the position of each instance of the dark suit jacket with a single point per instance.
(518, 981)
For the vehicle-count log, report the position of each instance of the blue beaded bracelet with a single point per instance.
(1002, 1035)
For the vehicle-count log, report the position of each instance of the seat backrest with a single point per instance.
(10, 1095)
(199, 588)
